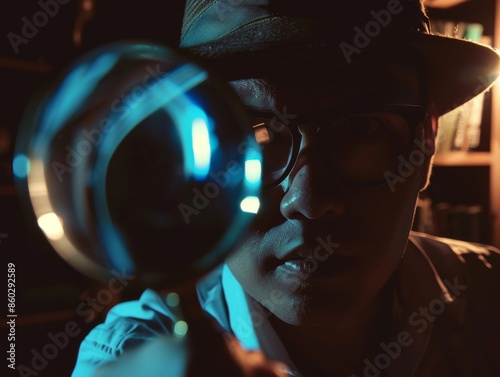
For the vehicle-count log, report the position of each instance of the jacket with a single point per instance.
(446, 317)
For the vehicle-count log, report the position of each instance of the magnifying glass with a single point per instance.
(139, 161)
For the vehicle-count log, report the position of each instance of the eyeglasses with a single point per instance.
(360, 146)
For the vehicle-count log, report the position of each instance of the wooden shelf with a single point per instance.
(462, 159)
(495, 143)
(483, 183)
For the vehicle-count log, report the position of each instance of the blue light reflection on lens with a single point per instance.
(201, 149)
(197, 137)
(253, 180)
(170, 93)
(74, 90)
(250, 204)
(253, 171)
(21, 166)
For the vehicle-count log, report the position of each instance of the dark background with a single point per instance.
(49, 290)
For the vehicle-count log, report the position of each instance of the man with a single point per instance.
(329, 280)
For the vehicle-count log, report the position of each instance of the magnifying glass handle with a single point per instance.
(214, 352)
(211, 350)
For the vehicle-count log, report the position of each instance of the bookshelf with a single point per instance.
(495, 142)
(463, 159)
(466, 181)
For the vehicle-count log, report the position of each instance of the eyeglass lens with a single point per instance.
(358, 148)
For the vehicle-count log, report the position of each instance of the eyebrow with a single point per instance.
(255, 93)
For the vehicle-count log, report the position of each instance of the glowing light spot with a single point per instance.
(262, 134)
(201, 148)
(172, 299)
(180, 329)
(253, 171)
(21, 166)
(250, 204)
(51, 225)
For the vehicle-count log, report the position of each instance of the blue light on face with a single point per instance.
(21, 166)
(201, 148)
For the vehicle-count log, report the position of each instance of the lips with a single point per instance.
(325, 266)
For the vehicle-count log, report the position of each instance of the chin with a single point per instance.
(314, 310)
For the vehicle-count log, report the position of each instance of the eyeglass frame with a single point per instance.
(413, 114)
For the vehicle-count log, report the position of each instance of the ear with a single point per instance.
(430, 130)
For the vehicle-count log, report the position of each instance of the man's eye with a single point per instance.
(365, 127)
(276, 144)
(358, 128)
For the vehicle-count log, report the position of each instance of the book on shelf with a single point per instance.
(460, 221)
(424, 221)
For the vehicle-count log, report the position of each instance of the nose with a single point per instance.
(311, 192)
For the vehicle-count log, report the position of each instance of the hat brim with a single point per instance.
(455, 70)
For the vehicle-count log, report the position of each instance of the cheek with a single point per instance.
(388, 208)
(385, 221)
(246, 262)
(251, 265)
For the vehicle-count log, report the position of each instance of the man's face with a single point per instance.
(320, 249)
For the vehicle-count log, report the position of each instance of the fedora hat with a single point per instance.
(264, 38)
